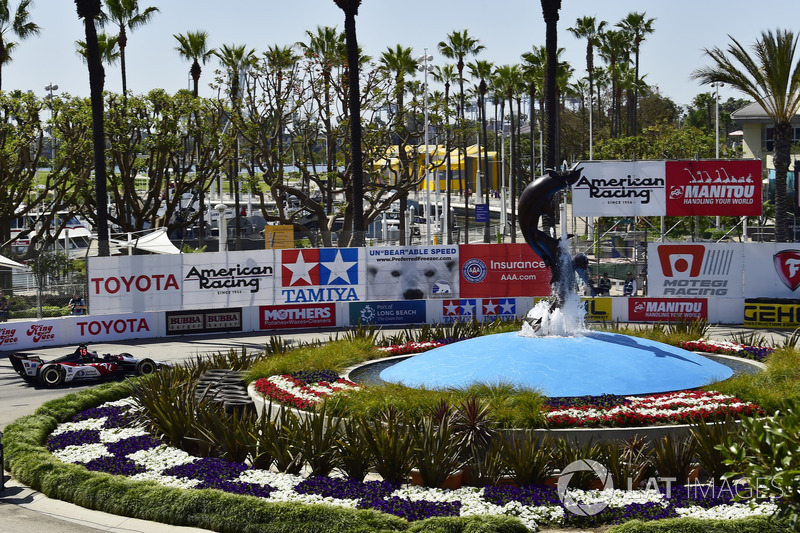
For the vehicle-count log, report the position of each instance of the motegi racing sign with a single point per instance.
(714, 188)
(695, 270)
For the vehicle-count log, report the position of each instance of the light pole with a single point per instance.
(50, 88)
(425, 58)
(716, 85)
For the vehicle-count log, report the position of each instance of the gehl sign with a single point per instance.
(771, 313)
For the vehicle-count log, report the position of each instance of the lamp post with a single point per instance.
(716, 85)
(50, 88)
(424, 59)
(222, 224)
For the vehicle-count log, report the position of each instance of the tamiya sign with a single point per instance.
(695, 270)
(714, 188)
(667, 309)
(498, 309)
(321, 275)
(297, 316)
(457, 310)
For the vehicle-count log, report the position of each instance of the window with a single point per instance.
(768, 141)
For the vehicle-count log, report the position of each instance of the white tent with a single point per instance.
(6, 262)
(156, 242)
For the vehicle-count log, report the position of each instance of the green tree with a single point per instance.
(127, 15)
(588, 28)
(20, 25)
(398, 63)
(107, 44)
(482, 70)
(637, 26)
(771, 77)
(613, 49)
(193, 46)
(446, 75)
(89, 11)
(509, 82)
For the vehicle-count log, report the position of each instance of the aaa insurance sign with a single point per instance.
(714, 188)
(695, 270)
(501, 270)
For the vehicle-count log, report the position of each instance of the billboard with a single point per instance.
(714, 188)
(203, 321)
(667, 309)
(620, 189)
(412, 272)
(501, 270)
(772, 270)
(458, 310)
(771, 313)
(388, 313)
(243, 278)
(125, 284)
(695, 270)
(288, 316)
(321, 275)
(498, 308)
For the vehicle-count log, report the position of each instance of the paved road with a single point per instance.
(23, 510)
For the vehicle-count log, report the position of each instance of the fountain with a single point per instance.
(554, 352)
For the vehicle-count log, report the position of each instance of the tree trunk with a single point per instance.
(96, 79)
(783, 144)
(355, 125)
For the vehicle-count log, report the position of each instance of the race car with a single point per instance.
(81, 365)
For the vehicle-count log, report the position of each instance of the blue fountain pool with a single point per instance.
(590, 364)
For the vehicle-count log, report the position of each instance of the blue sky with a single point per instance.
(507, 28)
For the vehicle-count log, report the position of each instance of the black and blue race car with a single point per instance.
(81, 365)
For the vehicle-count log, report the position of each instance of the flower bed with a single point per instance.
(409, 348)
(670, 408)
(100, 442)
(757, 353)
(295, 392)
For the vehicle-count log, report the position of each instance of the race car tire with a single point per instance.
(145, 366)
(51, 376)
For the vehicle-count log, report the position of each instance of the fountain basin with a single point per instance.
(590, 364)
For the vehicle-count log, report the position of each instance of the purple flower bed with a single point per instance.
(344, 488)
(237, 487)
(603, 400)
(116, 416)
(73, 438)
(315, 376)
(757, 353)
(119, 466)
(411, 510)
(207, 469)
(131, 445)
(535, 495)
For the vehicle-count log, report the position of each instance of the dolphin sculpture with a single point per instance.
(535, 201)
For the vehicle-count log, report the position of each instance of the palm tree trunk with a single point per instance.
(783, 144)
(96, 78)
(513, 169)
(487, 174)
(355, 123)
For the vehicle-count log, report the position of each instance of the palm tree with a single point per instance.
(446, 75)
(89, 10)
(20, 26)
(236, 60)
(457, 46)
(399, 63)
(533, 70)
(127, 16)
(350, 9)
(193, 45)
(612, 49)
(107, 44)
(588, 28)
(638, 27)
(327, 47)
(482, 70)
(508, 79)
(771, 77)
